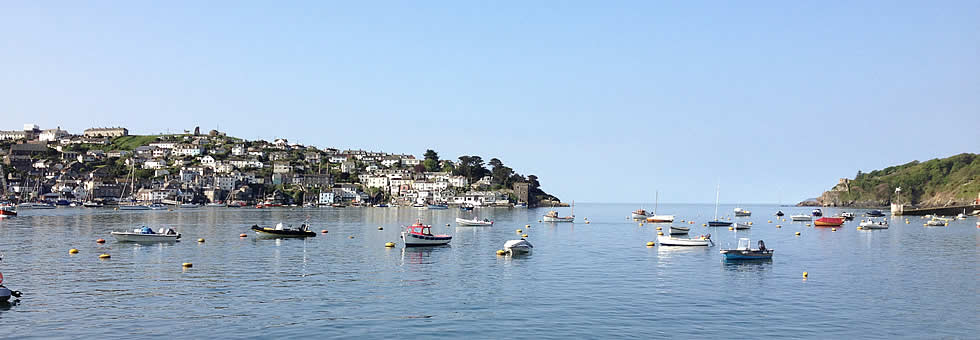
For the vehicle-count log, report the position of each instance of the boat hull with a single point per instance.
(719, 224)
(742, 226)
(558, 219)
(518, 247)
(273, 233)
(636, 216)
(829, 222)
(661, 219)
(413, 240)
(684, 242)
(473, 223)
(743, 254)
(679, 230)
(873, 225)
(801, 218)
(144, 238)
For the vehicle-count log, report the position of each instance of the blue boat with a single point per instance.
(817, 212)
(743, 252)
(438, 206)
(466, 207)
(719, 224)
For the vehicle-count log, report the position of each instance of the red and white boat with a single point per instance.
(829, 222)
(420, 235)
(7, 210)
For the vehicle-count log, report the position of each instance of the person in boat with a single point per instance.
(762, 246)
(146, 230)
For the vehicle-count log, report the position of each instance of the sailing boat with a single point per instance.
(552, 216)
(659, 218)
(716, 222)
(132, 185)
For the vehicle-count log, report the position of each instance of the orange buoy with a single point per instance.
(243, 235)
(101, 240)
(323, 231)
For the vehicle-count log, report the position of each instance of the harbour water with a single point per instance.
(582, 281)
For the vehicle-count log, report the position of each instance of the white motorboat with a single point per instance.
(474, 222)
(157, 206)
(189, 206)
(7, 210)
(801, 218)
(420, 235)
(742, 226)
(216, 205)
(703, 241)
(739, 212)
(146, 234)
(639, 214)
(936, 223)
(679, 230)
(90, 204)
(134, 207)
(871, 224)
(517, 247)
(552, 216)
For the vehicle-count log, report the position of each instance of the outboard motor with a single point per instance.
(6, 293)
(762, 246)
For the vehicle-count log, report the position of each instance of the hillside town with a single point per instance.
(109, 166)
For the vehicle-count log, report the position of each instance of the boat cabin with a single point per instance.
(552, 214)
(640, 212)
(419, 229)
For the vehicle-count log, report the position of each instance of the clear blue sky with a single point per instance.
(605, 101)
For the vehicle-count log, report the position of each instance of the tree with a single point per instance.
(431, 161)
(431, 154)
(471, 167)
(532, 181)
(448, 167)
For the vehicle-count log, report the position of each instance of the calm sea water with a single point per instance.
(582, 281)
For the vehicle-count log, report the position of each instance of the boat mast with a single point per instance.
(717, 193)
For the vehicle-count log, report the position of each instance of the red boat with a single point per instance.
(829, 222)
(419, 234)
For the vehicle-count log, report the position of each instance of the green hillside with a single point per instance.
(936, 182)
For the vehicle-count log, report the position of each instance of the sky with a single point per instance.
(605, 101)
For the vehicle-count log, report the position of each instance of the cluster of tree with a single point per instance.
(475, 169)
(958, 174)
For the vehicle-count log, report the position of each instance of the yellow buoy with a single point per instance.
(833, 229)
(778, 226)
(704, 224)
(641, 224)
(352, 236)
(518, 230)
(587, 222)
(750, 222)
(859, 228)
(770, 221)
(527, 226)
(525, 235)
(659, 228)
(380, 228)
(660, 233)
(807, 224)
(201, 240)
(501, 252)
(797, 233)
(187, 264)
(805, 274)
(389, 244)
(73, 251)
(104, 256)
(730, 228)
(650, 244)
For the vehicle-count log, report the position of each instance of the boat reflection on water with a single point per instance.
(420, 255)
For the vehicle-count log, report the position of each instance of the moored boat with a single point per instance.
(466, 207)
(743, 252)
(35, 205)
(739, 212)
(438, 206)
(742, 226)
(801, 217)
(157, 206)
(936, 223)
(847, 216)
(90, 204)
(816, 212)
(552, 216)
(7, 210)
(518, 247)
(638, 214)
(660, 219)
(146, 234)
(872, 224)
(420, 235)
(281, 231)
(702, 241)
(216, 205)
(874, 213)
(189, 205)
(779, 213)
(828, 222)
(716, 222)
(474, 222)
(134, 207)
(679, 230)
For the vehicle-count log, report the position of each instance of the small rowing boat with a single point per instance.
(743, 252)
(702, 241)
(281, 231)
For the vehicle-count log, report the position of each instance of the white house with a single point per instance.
(51, 135)
(164, 145)
(410, 162)
(188, 150)
(327, 197)
(154, 164)
(281, 168)
(238, 150)
(376, 182)
(226, 183)
(207, 161)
